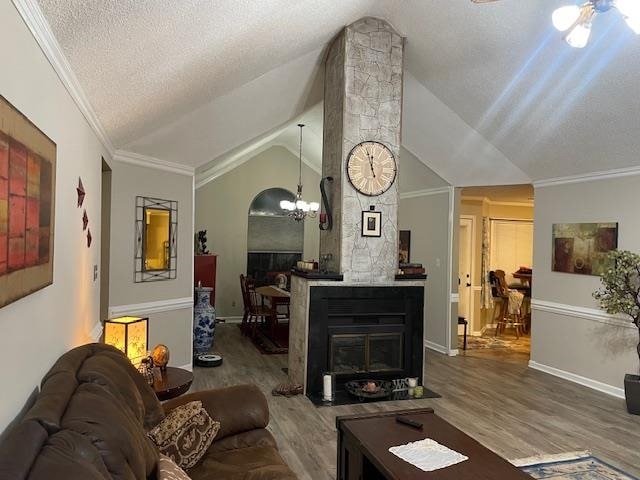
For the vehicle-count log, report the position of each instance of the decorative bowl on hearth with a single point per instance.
(369, 389)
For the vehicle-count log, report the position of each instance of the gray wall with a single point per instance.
(275, 234)
(427, 216)
(565, 337)
(222, 206)
(38, 328)
(172, 327)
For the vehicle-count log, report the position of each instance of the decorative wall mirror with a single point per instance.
(156, 252)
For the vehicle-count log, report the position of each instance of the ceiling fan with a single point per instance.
(576, 19)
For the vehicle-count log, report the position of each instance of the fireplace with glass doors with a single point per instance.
(364, 332)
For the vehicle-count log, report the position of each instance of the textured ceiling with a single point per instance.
(192, 80)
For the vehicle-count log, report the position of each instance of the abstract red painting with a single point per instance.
(27, 184)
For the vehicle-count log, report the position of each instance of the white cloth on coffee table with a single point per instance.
(427, 455)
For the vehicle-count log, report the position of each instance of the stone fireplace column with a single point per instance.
(362, 102)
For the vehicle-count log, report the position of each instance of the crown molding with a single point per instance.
(33, 17)
(588, 177)
(305, 160)
(152, 162)
(424, 193)
(236, 159)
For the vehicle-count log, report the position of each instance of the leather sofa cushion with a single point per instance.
(238, 409)
(70, 456)
(250, 463)
(253, 438)
(94, 406)
(15, 459)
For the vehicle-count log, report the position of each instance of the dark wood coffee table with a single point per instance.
(171, 382)
(364, 441)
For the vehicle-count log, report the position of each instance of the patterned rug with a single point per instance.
(572, 466)
(522, 344)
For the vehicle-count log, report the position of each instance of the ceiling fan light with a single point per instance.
(314, 206)
(565, 17)
(579, 36)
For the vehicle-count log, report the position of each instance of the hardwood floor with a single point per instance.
(513, 410)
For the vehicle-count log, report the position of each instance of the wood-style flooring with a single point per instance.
(513, 410)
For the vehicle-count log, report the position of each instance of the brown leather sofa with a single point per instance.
(90, 419)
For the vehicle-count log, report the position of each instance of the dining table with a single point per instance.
(276, 297)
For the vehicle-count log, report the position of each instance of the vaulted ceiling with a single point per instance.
(493, 95)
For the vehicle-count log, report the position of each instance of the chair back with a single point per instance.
(245, 293)
(252, 295)
(501, 284)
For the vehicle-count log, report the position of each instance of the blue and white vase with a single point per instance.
(204, 321)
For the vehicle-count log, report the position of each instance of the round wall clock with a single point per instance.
(371, 168)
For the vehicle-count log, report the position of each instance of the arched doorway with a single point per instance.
(274, 240)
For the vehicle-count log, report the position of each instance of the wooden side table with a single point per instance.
(171, 382)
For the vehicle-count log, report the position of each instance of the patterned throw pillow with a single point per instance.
(168, 470)
(185, 434)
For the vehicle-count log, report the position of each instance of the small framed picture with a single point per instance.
(371, 223)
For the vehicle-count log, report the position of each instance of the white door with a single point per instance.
(465, 288)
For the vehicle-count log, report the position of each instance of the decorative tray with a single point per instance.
(366, 389)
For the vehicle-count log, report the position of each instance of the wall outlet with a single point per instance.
(233, 303)
(437, 263)
(95, 273)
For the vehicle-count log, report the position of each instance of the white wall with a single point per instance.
(568, 329)
(39, 328)
(222, 207)
(171, 321)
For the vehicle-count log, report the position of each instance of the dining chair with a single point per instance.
(254, 311)
(509, 315)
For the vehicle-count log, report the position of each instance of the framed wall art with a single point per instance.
(371, 223)
(582, 247)
(27, 198)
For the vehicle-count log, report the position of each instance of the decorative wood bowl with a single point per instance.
(363, 388)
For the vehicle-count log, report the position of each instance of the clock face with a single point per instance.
(371, 168)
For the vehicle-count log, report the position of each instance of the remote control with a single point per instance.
(408, 421)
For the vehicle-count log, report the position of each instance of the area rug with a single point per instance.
(268, 344)
(522, 344)
(571, 466)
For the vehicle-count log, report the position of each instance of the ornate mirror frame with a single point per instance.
(141, 274)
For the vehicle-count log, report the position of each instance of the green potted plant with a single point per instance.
(621, 294)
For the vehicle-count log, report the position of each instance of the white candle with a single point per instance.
(326, 388)
(413, 382)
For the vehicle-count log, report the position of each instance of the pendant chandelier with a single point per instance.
(300, 209)
(576, 19)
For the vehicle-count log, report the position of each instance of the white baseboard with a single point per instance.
(572, 377)
(436, 347)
